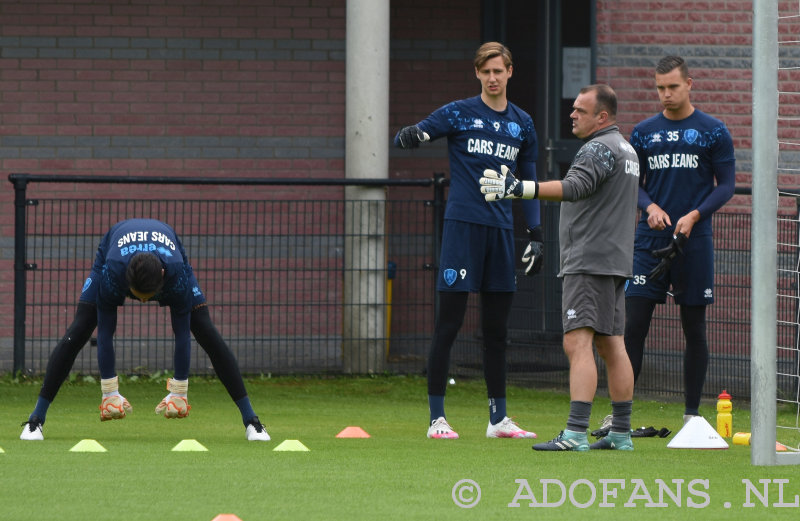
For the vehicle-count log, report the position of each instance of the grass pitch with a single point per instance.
(395, 474)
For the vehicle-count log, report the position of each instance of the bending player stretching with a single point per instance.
(683, 151)
(142, 259)
(478, 242)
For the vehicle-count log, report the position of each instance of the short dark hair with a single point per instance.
(670, 63)
(606, 98)
(144, 273)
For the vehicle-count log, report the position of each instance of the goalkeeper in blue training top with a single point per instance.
(688, 173)
(144, 260)
(477, 252)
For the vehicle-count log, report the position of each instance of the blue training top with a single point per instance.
(108, 287)
(122, 242)
(680, 160)
(479, 138)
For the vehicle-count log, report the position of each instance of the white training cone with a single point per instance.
(697, 434)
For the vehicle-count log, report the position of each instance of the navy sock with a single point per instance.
(579, 413)
(497, 410)
(40, 410)
(436, 404)
(246, 409)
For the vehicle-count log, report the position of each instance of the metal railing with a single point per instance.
(280, 275)
(280, 285)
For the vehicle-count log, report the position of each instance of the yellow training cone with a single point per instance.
(88, 446)
(189, 446)
(291, 445)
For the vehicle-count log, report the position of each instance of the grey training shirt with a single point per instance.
(598, 215)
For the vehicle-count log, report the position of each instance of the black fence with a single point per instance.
(287, 295)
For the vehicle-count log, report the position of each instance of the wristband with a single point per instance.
(528, 187)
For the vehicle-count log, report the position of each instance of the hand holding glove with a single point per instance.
(667, 255)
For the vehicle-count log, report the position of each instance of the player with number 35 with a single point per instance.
(688, 173)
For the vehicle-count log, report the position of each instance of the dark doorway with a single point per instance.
(553, 46)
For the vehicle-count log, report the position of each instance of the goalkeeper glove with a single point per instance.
(503, 185)
(534, 253)
(113, 406)
(175, 404)
(667, 255)
(411, 137)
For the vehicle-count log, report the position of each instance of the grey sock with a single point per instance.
(621, 419)
(579, 413)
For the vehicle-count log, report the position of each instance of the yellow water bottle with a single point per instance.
(724, 417)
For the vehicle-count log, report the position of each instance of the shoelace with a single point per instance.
(509, 421)
(257, 425)
(32, 426)
(442, 427)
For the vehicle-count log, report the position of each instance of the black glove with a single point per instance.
(667, 255)
(410, 137)
(534, 253)
(641, 432)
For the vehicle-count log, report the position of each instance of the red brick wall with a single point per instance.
(426, 73)
(715, 37)
(213, 88)
(239, 88)
(162, 69)
(170, 71)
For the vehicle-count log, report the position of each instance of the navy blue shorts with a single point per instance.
(690, 279)
(476, 258)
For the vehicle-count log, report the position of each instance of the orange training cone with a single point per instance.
(353, 432)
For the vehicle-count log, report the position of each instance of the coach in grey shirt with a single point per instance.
(596, 231)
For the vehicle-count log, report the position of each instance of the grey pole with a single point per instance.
(366, 156)
(764, 257)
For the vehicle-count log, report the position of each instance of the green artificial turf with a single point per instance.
(397, 473)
